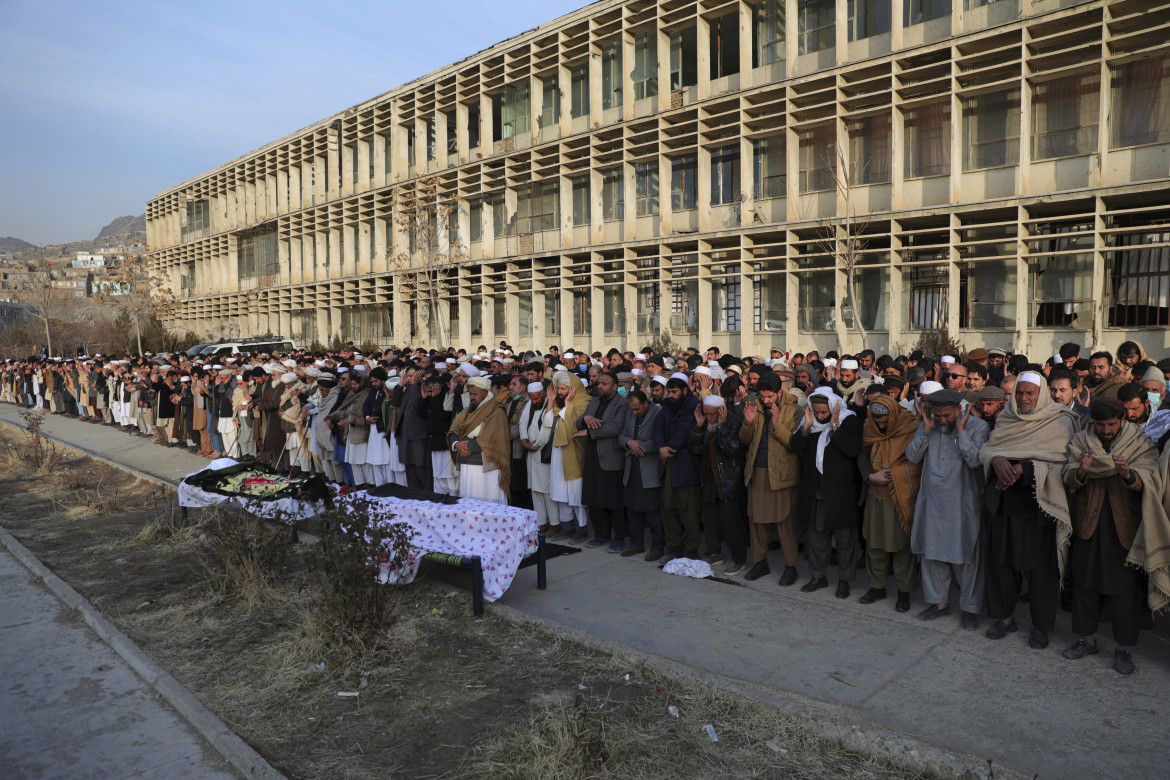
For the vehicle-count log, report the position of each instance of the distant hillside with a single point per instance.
(10, 244)
(122, 226)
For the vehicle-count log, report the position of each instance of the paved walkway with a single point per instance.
(71, 708)
(1031, 711)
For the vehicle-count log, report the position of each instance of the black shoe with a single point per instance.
(932, 612)
(1000, 629)
(788, 577)
(968, 621)
(1080, 649)
(761, 569)
(842, 589)
(903, 604)
(653, 555)
(815, 584)
(1037, 639)
(872, 595)
(633, 549)
(1123, 661)
(669, 556)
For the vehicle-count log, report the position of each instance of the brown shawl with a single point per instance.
(573, 456)
(1108, 387)
(889, 455)
(493, 439)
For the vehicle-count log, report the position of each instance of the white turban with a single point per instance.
(481, 382)
(947, 359)
(680, 375)
(715, 401)
(288, 378)
(660, 379)
(561, 378)
(535, 387)
(849, 365)
(704, 371)
(1032, 378)
(928, 387)
(289, 364)
(637, 372)
(469, 369)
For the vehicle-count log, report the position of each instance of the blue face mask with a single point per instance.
(623, 391)
(1155, 399)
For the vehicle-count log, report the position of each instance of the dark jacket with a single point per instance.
(671, 429)
(729, 454)
(437, 421)
(610, 455)
(840, 485)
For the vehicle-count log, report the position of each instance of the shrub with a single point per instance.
(244, 555)
(41, 452)
(938, 342)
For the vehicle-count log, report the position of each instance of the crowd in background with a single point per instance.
(1013, 480)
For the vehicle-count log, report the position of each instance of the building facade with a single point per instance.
(723, 169)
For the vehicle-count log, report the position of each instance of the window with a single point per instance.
(1141, 100)
(552, 312)
(1065, 115)
(1061, 282)
(649, 302)
(929, 295)
(928, 141)
(500, 314)
(388, 153)
(409, 148)
(816, 25)
(472, 127)
(536, 207)
(579, 90)
(646, 188)
(991, 130)
(869, 149)
(868, 18)
(500, 225)
(1140, 280)
(614, 310)
(769, 302)
(768, 166)
(818, 158)
(724, 45)
(198, 220)
(524, 317)
(645, 64)
(683, 191)
(582, 319)
(684, 71)
(769, 22)
(611, 75)
(990, 301)
(256, 257)
(516, 111)
(432, 149)
(613, 195)
(582, 205)
(818, 305)
(452, 132)
(550, 103)
(725, 312)
(475, 212)
(724, 175)
(919, 11)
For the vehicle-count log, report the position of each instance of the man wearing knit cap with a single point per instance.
(947, 532)
(988, 403)
(828, 443)
(772, 473)
(479, 444)
(1027, 518)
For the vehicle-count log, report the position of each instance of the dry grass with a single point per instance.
(439, 694)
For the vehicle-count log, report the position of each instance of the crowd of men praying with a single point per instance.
(1007, 479)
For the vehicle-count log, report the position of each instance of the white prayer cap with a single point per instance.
(560, 367)
(469, 369)
(391, 372)
(1032, 378)
(680, 375)
(562, 378)
(499, 360)
(479, 381)
(289, 364)
(1057, 359)
(947, 359)
(640, 356)
(637, 372)
(830, 362)
(206, 366)
(535, 387)
(288, 378)
(569, 354)
(715, 401)
(704, 371)
(342, 370)
(928, 387)
(499, 351)
(313, 371)
(184, 379)
(218, 367)
(850, 364)
(319, 363)
(507, 361)
(660, 379)
(362, 367)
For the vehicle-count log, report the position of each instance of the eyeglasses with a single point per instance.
(957, 376)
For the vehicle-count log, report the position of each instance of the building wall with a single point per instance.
(1003, 170)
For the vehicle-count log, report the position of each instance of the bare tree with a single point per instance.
(134, 286)
(33, 289)
(423, 214)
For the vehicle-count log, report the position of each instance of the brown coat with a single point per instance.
(783, 464)
(1086, 499)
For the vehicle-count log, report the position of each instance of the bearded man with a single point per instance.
(850, 384)
(1103, 381)
(891, 483)
(568, 459)
(948, 535)
(1027, 516)
(1120, 529)
(678, 470)
(480, 447)
(604, 463)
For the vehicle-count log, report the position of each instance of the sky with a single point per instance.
(103, 105)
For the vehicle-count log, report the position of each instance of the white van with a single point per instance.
(276, 344)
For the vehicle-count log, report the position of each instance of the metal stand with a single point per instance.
(476, 586)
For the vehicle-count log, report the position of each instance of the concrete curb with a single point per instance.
(234, 750)
(830, 721)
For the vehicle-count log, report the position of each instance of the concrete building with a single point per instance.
(710, 166)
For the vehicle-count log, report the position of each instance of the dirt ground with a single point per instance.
(438, 693)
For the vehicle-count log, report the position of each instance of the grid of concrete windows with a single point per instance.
(715, 168)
